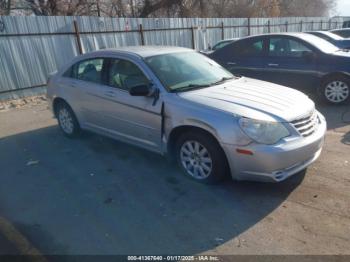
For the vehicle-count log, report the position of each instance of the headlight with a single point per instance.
(263, 132)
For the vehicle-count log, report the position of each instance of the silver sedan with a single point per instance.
(177, 102)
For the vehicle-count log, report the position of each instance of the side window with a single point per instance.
(89, 70)
(251, 48)
(284, 47)
(124, 74)
(69, 72)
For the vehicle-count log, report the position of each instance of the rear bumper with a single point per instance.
(275, 163)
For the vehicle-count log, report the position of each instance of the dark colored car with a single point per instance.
(336, 40)
(298, 60)
(223, 43)
(218, 45)
(345, 32)
(346, 24)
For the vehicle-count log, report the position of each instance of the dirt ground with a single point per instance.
(93, 195)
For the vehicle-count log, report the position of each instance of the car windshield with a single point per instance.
(187, 70)
(332, 35)
(222, 44)
(320, 43)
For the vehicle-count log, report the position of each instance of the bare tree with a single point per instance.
(174, 8)
(306, 7)
(5, 7)
(2, 7)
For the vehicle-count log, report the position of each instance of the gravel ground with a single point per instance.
(27, 102)
(93, 195)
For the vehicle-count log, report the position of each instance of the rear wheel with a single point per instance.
(67, 120)
(201, 157)
(336, 90)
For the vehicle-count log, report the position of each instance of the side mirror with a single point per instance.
(140, 90)
(309, 56)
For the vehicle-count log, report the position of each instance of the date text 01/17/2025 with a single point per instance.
(173, 258)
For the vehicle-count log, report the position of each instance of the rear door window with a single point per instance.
(250, 48)
(89, 70)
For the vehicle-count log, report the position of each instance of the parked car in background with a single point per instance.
(223, 43)
(297, 60)
(219, 45)
(345, 32)
(336, 40)
(175, 101)
(346, 24)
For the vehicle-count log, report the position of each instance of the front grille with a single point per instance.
(306, 126)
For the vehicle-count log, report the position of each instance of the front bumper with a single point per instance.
(275, 163)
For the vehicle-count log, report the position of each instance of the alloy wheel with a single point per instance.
(337, 91)
(66, 121)
(196, 159)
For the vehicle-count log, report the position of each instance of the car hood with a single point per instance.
(254, 99)
(343, 54)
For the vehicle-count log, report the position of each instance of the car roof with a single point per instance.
(227, 40)
(322, 32)
(296, 34)
(303, 36)
(142, 51)
(328, 33)
(341, 29)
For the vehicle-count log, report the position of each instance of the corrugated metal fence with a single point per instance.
(31, 47)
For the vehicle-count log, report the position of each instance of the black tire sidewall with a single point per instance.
(327, 81)
(220, 169)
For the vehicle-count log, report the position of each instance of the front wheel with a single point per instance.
(336, 90)
(201, 157)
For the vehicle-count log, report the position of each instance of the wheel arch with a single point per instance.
(57, 101)
(179, 130)
(341, 76)
(333, 75)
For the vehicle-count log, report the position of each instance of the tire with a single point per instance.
(335, 90)
(67, 120)
(201, 158)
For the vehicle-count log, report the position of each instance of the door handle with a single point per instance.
(232, 63)
(275, 65)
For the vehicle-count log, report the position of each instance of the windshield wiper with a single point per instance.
(224, 79)
(190, 87)
(196, 86)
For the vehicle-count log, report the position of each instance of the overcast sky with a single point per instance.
(343, 7)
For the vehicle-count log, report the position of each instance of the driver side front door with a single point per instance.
(292, 63)
(133, 119)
